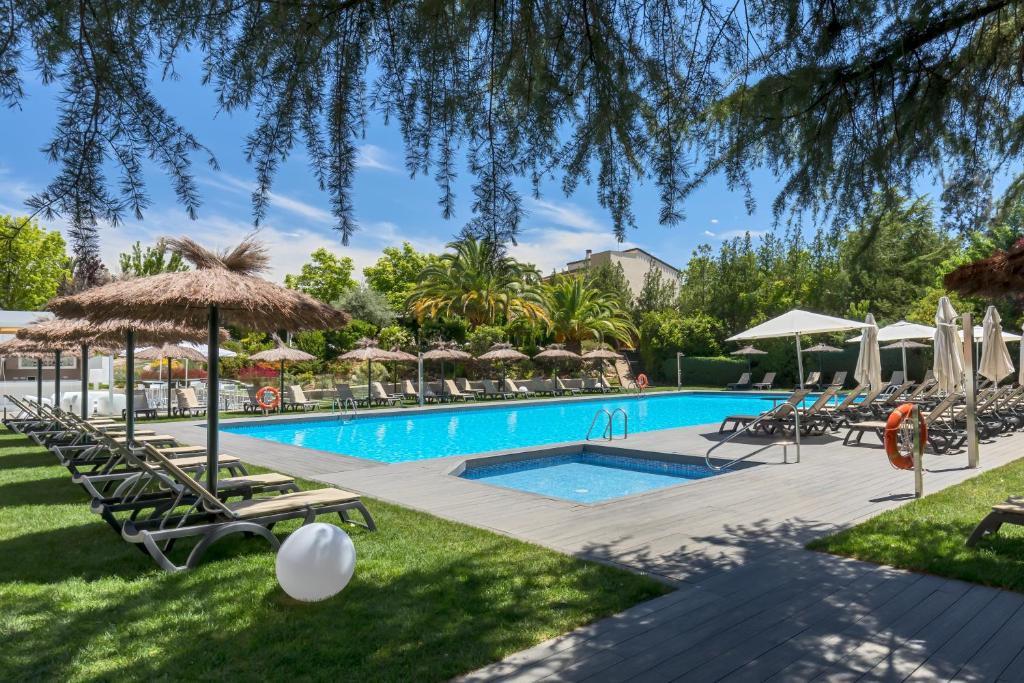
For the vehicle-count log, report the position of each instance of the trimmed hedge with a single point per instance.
(707, 372)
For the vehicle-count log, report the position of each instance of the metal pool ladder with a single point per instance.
(773, 414)
(609, 423)
(347, 410)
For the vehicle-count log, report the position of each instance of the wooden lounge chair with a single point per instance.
(516, 390)
(210, 519)
(379, 395)
(738, 421)
(838, 379)
(297, 399)
(466, 387)
(564, 389)
(454, 394)
(766, 382)
(940, 439)
(1010, 512)
(742, 383)
(812, 381)
(491, 389)
(188, 403)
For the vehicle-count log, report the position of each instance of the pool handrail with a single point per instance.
(609, 424)
(772, 414)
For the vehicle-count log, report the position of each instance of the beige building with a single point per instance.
(635, 264)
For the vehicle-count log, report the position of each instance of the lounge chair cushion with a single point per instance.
(258, 507)
(266, 479)
(197, 460)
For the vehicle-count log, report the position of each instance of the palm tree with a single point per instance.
(478, 281)
(578, 310)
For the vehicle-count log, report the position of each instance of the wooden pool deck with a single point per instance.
(751, 603)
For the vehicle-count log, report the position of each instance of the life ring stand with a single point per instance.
(893, 427)
(261, 400)
(642, 381)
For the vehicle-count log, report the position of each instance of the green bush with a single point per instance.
(664, 333)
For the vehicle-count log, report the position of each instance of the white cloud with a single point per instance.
(551, 248)
(372, 156)
(714, 221)
(226, 181)
(708, 233)
(564, 214)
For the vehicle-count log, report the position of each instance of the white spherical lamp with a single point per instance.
(316, 562)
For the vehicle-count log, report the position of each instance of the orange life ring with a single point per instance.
(893, 426)
(263, 402)
(641, 381)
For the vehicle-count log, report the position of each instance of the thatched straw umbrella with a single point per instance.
(602, 353)
(29, 348)
(556, 354)
(115, 333)
(400, 356)
(748, 351)
(282, 354)
(1000, 274)
(820, 349)
(170, 352)
(446, 351)
(221, 288)
(367, 349)
(503, 353)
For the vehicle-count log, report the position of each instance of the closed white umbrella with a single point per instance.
(869, 360)
(794, 324)
(995, 358)
(949, 354)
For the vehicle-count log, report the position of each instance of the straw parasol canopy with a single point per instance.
(557, 352)
(170, 351)
(503, 353)
(400, 356)
(999, 274)
(111, 333)
(281, 354)
(222, 286)
(227, 280)
(446, 351)
(603, 353)
(367, 349)
(39, 350)
(906, 344)
(749, 351)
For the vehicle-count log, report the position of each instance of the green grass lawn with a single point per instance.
(928, 534)
(430, 599)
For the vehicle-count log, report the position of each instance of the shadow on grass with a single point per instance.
(30, 457)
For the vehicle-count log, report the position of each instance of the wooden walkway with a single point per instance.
(751, 603)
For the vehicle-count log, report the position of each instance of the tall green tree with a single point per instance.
(326, 277)
(837, 99)
(152, 260)
(611, 278)
(577, 311)
(478, 281)
(658, 293)
(366, 304)
(396, 273)
(33, 265)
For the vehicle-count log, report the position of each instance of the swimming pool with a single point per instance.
(587, 476)
(403, 437)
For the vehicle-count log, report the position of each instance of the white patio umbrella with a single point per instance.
(995, 361)
(794, 324)
(949, 353)
(869, 360)
(903, 345)
(898, 331)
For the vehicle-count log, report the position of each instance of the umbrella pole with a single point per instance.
(799, 361)
(168, 386)
(213, 401)
(442, 381)
(904, 350)
(186, 372)
(39, 380)
(280, 398)
(129, 387)
(369, 379)
(56, 378)
(970, 389)
(85, 381)
(419, 376)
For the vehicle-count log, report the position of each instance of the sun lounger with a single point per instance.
(941, 439)
(766, 382)
(297, 399)
(380, 396)
(564, 389)
(838, 379)
(454, 394)
(812, 381)
(141, 406)
(1010, 512)
(516, 390)
(188, 403)
(491, 390)
(742, 383)
(738, 421)
(210, 519)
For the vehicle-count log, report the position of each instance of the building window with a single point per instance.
(66, 363)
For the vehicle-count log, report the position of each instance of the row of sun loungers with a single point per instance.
(149, 492)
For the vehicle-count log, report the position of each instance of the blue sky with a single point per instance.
(390, 206)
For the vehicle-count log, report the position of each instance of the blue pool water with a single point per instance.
(587, 477)
(505, 425)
